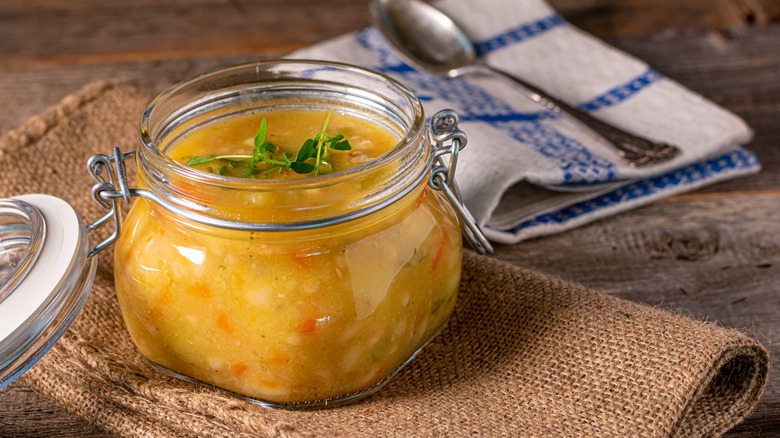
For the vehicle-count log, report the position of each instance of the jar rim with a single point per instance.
(151, 151)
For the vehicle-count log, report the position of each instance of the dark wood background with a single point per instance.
(713, 254)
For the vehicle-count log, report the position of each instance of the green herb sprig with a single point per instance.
(311, 156)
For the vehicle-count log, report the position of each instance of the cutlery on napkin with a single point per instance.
(527, 172)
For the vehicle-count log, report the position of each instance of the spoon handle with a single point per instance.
(638, 151)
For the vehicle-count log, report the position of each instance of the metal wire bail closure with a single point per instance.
(449, 140)
(106, 193)
(111, 186)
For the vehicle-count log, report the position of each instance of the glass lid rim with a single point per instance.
(33, 242)
(46, 303)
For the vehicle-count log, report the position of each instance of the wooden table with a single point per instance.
(713, 254)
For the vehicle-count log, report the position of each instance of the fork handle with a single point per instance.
(636, 150)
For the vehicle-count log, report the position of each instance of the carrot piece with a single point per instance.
(200, 289)
(239, 368)
(307, 326)
(161, 304)
(421, 199)
(440, 251)
(277, 360)
(269, 384)
(306, 256)
(164, 298)
(224, 323)
(302, 260)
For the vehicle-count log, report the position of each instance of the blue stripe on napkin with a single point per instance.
(736, 160)
(518, 34)
(622, 92)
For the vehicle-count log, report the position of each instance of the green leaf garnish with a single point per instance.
(341, 146)
(262, 133)
(302, 167)
(311, 157)
(203, 159)
(308, 150)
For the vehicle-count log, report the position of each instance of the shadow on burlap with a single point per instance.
(524, 354)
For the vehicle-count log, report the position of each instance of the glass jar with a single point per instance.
(300, 293)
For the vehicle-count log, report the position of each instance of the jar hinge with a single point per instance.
(108, 192)
(449, 140)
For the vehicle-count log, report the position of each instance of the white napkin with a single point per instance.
(527, 172)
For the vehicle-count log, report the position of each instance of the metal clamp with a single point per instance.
(449, 140)
(106, 193)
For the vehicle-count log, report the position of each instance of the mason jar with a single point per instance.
(294, 293)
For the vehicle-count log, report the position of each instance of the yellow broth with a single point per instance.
(287, 130)
(289, 317)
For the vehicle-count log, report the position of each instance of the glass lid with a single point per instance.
(21, 235)
(45, 276)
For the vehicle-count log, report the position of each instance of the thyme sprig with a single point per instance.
(311, 157)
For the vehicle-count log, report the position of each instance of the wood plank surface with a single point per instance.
(710, 257)
(608, 17)
(713, 254)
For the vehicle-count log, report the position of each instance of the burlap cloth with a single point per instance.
(524, 354)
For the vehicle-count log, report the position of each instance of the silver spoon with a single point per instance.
(429, 39)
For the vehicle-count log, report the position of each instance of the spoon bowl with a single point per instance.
(424, 36)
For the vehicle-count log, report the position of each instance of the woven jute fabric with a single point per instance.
(524, 354)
